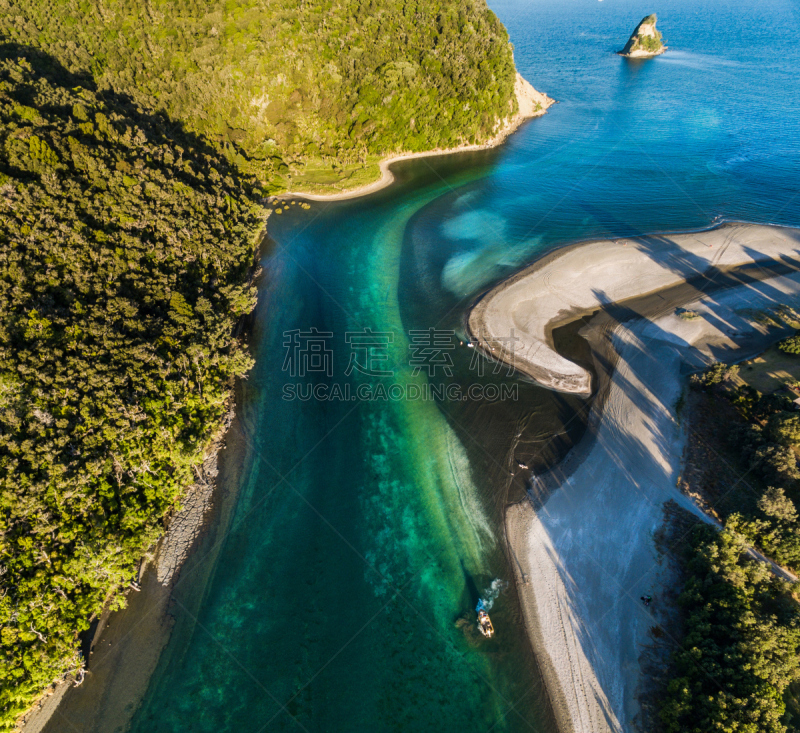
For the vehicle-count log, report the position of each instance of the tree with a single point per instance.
(790, 345)
(784, 428)
(125, 246)
(775, 503)
(715, 374)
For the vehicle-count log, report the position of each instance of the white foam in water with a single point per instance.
(697, 60)
(481, 538)
(490, 595)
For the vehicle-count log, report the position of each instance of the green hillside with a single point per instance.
(301, 94)
(135, 141)
(124, 246)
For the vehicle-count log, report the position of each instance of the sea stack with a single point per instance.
(645, 41)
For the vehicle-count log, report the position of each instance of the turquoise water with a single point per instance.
(363, 532)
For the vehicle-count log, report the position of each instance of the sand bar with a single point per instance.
(585, 557)
(513, 321)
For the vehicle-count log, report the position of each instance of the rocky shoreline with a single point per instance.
(141, 630)
(126, 645)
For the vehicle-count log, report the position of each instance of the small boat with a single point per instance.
(485, 624)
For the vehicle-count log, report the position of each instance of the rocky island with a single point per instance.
(645, 41)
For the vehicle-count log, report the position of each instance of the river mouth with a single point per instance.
(350, 558)
(361, 539)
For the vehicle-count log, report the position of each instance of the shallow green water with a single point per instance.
(359, 536)
(364, 530)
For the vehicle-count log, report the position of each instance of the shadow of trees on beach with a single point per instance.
(613, 486)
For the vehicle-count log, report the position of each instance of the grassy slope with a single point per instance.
(770, 371)
(292, 90)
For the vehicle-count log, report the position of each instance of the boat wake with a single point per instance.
(491, 593)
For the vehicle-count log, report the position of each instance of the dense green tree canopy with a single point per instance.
(131, 145)
(290, 86)
(124, 246)
(740, 651)
(741, 646)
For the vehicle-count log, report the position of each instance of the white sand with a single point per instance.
(588, 555)
(530, 103)
(581, 279)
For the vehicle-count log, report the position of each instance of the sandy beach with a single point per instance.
(530, 104)
(513, 322)
(584, 557)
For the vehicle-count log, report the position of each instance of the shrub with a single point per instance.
(790, 345)
(117, 303)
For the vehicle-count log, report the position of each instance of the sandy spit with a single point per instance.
(585, 557)
(527, 100)
(579, 280)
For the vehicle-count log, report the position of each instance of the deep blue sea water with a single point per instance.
(341, 597)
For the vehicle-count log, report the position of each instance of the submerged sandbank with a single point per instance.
(513, 322)
(530, 104)
(587, 555)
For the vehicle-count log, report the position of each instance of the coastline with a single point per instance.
(578, 280)
(124, 654)
(142, 629)
(584, 556)
(527, 100)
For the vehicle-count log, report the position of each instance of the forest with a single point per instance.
(138, 140)
(125, 248)
(292, 92)
(741, 649)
